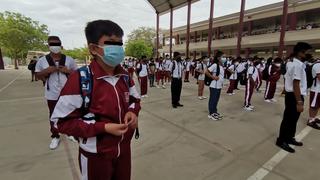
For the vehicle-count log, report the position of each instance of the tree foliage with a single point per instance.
(138, 48)
(19, 34)
(78, 53)
(146, 34)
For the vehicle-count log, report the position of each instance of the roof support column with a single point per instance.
(171, 26)
(188, 29)
(240, 29)
(210, 27)
(283, 28)
(157, 31)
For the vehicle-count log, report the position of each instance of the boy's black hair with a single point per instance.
(301, 46)
(50, 38)
(218, 53)
(175, 54)
(96, 29)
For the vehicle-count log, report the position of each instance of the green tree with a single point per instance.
(146, 34)
(19, 34)
(138, 48)
(78, 53)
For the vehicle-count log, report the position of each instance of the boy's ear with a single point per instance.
(93, 49)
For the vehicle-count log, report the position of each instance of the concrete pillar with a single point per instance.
(292, 21)
(171, 26)
(157, 39)
(283, 28)
(240, 29)
(188, 28)
(210, 27)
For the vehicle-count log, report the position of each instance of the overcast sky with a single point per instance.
(67, 18)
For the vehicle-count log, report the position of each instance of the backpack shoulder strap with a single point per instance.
(218, 69)
(62, 61)
(50, 60)
(86, 86)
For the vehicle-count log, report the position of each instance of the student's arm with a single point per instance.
(67, 116)
(298, 71)
(134, 106)
(41, 72)
(230, 69)
(209, 71)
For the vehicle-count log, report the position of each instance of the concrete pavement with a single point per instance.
(175, 144)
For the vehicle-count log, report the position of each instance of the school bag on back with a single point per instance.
(207, 79)
(243, 76)
(311, 81)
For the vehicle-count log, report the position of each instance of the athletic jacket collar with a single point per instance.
(99, 73)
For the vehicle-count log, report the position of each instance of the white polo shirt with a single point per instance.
(219, 83)
(178, 69)
(201, 67)
(315, 72)
(252, 70)
(296, 71)
(167, 63)
(187, 65)
(233, 68)
(56, 80)
(144, 70)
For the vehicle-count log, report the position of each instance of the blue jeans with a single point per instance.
(213, 100)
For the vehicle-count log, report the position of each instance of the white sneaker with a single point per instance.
(158, 86)
(267, 100)
(248, 108)
(233, 93)
(163, 87)
(230, 94)
(146, 96)
(200, 98)
(213, 118)
(71, 138)
(273, 100)
(54, 143)
(203, 97)
(252, 107)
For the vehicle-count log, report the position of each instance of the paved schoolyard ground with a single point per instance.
(180, 144)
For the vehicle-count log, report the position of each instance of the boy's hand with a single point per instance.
(51, 69)
(64, 69)
(300, 108)
(131, 119)
(116, 129)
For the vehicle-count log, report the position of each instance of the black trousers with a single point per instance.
(176, 86)
(290, 118)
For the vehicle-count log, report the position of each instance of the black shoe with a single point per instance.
(317, 120)
(314, 125)
(296, 143)
(179, 105)
(285, 146)
(174, 106)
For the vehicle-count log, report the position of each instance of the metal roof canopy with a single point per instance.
(164, 6)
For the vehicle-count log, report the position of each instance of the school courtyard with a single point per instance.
(175, 144)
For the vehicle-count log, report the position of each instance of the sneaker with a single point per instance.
(203, 97)
(252, 107)
(54, 143)
(146, 96)
(163, 87)
(267, 100)
(233, 93)
(219, 116)
(248, 108)
(71, 138)
(200, 98)
(314, 125)
(230, 94)
(273, 100)
(211, 117)
(158, 86)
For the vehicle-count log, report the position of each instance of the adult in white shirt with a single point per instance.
(315, 96)
(142, 69)
(233, 77)
(54, 69)
(216, 72)
(252, 77)
(296, 89)
(201, 68)
(176, 68)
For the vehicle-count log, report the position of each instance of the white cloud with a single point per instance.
(67, 19)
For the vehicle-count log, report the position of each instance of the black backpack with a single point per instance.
(243, 77)
(310, 79)
(207, 79)
(32, 65)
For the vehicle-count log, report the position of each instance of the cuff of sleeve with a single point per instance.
(100, 127)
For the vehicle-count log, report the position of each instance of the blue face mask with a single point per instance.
(113, 55)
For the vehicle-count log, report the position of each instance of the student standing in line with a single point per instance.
(142, 70)
(187, 65)
(315, 97)
(152, 72)
(131, 67)
(233, 77)
(160, 73)
(274, 76)
(260, 68)
(105, 121)
(32, 68)
(54, 69)
(252, 76)
(167, 63)
(296, 89)
(176, 68)
(216, 72)
(201, 68)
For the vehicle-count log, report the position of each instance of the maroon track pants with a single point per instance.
(270, 90)
(144, 85)
(186, 76)
(249, 91)
(51, 106)
(232, 86)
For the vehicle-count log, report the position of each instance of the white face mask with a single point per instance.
(278, 65)
(237, 63)
(55, 49)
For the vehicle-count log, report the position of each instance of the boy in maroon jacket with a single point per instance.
(106, 129)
